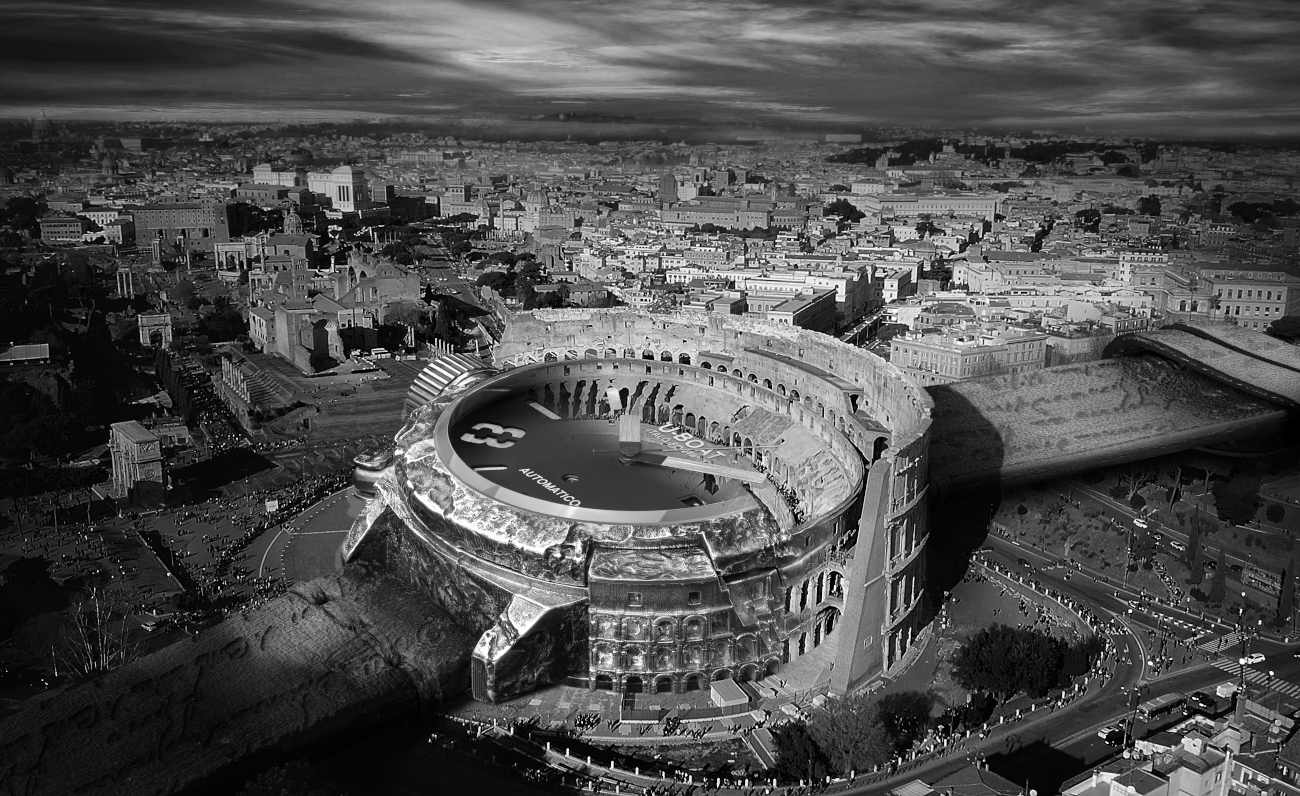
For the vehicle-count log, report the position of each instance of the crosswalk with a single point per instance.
(1216, 645)
(1259, 680)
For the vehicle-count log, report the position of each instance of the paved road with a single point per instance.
(321, 525)
(1073, 730)
(1127, 511)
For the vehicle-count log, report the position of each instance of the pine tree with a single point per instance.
(1286, 596)
(1195, 564)
(1219, 586)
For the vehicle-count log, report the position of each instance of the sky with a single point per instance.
(1141, 67)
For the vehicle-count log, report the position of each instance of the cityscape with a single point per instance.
(656, 398)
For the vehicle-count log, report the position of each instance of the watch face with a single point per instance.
(569, 466)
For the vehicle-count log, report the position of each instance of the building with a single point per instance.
(980, 206)
(812, 309)
(191, 226)
(63, 229)
(30, 354)
(956, 354)
(1253, 299)
(894, 283)
(822, 446)
(137, 457)
(346, 188)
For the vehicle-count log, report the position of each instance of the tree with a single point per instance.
(96, 638)
(1006, 661)
(1286, 595)
(1195, 554)
(1274, 512)
(1219, 584)
(1237, 497)
(1149, 205)
(851, 734)
(797, 755)
(844, 209)
(1286, 328)
(906, 715)
(1088, 220)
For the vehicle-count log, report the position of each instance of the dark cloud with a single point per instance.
(1121, 64)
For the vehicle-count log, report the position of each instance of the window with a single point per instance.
(693, 598)
(634, 599)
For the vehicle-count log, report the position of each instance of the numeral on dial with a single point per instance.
(492, 435)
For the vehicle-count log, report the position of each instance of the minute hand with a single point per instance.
(696, 466)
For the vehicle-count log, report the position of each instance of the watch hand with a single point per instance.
(695, 466)
(629, 434)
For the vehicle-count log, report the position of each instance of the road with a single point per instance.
(1072, 730)
(314, 533)
(1127, 511)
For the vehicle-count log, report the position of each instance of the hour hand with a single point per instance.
(629, 434)
(695, 466)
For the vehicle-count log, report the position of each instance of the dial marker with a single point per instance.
(490, 468)
(543, 411)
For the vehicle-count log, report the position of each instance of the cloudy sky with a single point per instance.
(1140, 66)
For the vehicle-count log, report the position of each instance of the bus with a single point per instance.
(1162, 707)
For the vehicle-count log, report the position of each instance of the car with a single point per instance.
(1253, 658)
(1112, 734)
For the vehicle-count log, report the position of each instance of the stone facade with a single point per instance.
(840, 435)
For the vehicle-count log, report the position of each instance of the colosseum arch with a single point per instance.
(748, 672)
(591, 353)
(705, 364)
(683, 359)
(878, 448)
(550, 356)
(603, 682)
(665, 356)
(693, 681)
(722, 674)
(611, 353)
(647, 354)
(664, 684)
(633, 684)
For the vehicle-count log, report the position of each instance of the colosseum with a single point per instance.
(780, 511)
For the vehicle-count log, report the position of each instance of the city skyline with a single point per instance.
(1208, 69)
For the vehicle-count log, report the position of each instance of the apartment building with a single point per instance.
(957, 354)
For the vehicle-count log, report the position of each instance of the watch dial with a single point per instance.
(525, 447)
